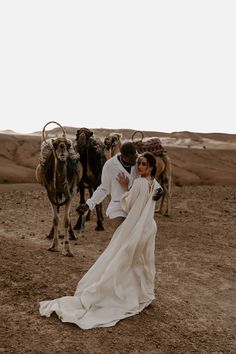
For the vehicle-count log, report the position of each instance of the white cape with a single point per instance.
(121, 282)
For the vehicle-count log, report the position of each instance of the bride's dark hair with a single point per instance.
(151, 161)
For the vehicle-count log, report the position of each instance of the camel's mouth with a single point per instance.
(63, 158)
(81, 144)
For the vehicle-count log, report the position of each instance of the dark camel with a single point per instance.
(92, 158)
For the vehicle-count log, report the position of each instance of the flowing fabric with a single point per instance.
(121, 282)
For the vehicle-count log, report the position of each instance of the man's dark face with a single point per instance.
(130, 159)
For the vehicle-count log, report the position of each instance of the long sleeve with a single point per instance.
(129, 198)
(110, 186)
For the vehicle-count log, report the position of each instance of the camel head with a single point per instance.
(112, 143)
(61, 148)
(82, 137)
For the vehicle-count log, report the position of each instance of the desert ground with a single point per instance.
(194, 310)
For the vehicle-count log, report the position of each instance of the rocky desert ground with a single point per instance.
(194, 310)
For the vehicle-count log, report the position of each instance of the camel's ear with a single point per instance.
(54, 143)
(91, 134)
(119, 135)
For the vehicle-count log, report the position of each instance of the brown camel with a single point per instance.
(163, 176)
(60, 175)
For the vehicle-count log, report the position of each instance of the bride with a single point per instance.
(121, 282)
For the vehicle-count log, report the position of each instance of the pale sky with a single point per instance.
(146, 65)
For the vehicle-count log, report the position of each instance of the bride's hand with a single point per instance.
(123, 180)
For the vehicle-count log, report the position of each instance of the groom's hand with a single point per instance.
(158, 193)
(82, 208)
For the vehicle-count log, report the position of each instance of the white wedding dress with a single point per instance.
(121, 282)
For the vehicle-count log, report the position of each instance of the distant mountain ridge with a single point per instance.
(127, 134)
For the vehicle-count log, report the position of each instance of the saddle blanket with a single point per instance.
(152, 145)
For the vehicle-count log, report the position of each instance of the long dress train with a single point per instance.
(121, 282)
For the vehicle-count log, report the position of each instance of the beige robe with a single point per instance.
(121, 282)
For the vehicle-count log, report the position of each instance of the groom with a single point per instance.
(122, 163)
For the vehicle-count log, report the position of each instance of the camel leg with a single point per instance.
(167, 184)
(165, 181)
(71, 233)
(55, 242)
(162, 200)
(51, 233)
(82, 201)
(99, 226)
(78, 223)
(66, 245)
(159, 177)
(168, 197)
(167, 212)
(39, 174)
(88, 215)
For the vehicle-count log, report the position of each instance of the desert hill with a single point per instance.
(197, 158)
(194, 255)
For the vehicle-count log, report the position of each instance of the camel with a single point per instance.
(59, 175)
(113, 142)
(92, 158)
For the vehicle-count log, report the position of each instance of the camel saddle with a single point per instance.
(152, 145)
